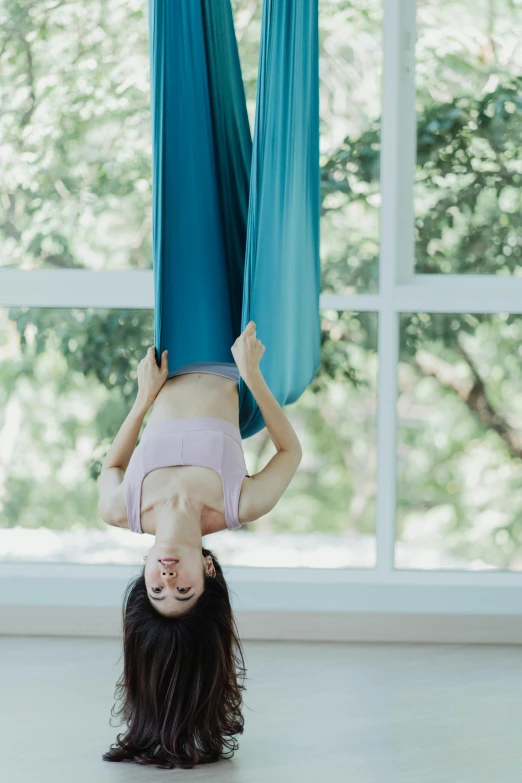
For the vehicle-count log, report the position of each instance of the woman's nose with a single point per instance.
(168, 572)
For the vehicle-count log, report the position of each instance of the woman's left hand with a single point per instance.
(151, 377)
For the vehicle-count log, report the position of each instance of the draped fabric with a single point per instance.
(236, 224)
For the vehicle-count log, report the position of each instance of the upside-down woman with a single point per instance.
(181, 687)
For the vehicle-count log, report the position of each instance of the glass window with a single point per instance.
(350, 68)
(350, 73)
(67, 381)
(75, 130)
(460, 442)
(468, 193)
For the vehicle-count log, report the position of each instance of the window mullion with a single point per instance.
(133, 289)
(396, 243)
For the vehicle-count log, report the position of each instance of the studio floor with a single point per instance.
(315, 713)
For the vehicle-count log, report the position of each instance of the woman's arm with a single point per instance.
(124, 443)
(260, 493)
(277, 423)
(111, 501)
(248, 352)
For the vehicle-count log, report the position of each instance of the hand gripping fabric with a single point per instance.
(236, 224)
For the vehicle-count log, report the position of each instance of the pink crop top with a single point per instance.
(203, 441)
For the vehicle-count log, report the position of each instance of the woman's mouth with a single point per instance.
(168, 561)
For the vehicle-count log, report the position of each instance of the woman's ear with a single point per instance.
(210, 569)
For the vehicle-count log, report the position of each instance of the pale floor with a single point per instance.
(316, 713)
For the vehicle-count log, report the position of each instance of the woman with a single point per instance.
(183, 662)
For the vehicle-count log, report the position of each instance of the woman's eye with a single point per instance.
(183, 589)
(156, 589)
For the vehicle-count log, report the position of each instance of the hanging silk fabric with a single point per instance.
(236, 224)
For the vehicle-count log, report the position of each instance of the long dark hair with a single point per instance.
(182, 681)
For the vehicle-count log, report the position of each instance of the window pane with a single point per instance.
(76, 139)
(350, 71)
(326, 517)
(67, 381)
(75, 129)
(350, 108)
(460, 442)
(469, 135)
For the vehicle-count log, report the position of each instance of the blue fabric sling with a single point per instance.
(236, 224)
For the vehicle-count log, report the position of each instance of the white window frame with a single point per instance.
(382, 603)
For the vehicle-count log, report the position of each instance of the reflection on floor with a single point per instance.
(318, 713)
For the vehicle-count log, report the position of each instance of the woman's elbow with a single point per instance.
(105, 515)
(297, 453)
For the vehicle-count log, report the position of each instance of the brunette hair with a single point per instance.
(182, 681)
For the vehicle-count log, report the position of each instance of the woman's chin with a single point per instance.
(172, 551)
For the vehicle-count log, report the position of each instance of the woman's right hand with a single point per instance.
(248, 351)
(151, 377)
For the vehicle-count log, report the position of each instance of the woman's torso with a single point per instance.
(197, 394)
(190, 395)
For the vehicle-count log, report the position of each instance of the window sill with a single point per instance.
(283, 604)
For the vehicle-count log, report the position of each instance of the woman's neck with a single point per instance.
(178, 523)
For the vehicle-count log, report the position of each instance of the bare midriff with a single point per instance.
(197, 394)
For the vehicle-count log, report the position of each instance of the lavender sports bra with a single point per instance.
(203, 441)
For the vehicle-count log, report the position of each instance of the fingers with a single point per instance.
(248, 331)
(151, 355)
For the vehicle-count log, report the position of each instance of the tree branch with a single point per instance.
(473, 394)
(30, 78)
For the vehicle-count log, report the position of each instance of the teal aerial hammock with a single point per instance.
(236, 225)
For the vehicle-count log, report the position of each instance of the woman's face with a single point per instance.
(175, 582)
